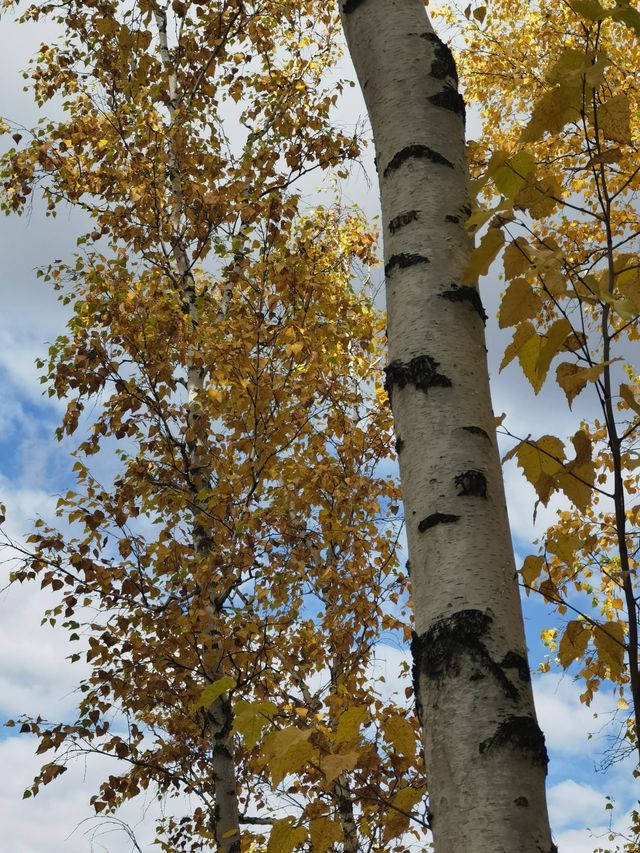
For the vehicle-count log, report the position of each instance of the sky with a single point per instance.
(36, 678)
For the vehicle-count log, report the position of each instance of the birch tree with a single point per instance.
(226, 538)
(485, 754)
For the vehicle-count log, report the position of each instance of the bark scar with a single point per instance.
(438, 651)
(449, 99)
(421, 372)
(435, 519)
(466, 293)
(416, 152)
(403, 219)
(404, 260)
(522, 734)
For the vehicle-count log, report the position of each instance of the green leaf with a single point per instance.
(213, 691)
(589, 9)
(250, 718)
(512, 175)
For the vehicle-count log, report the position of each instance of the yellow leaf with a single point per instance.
(573, 379)
(334, 764)
(482, 257)
(522, 334)
(285, 837)
(517, 258)
(348, 728)
(541, 462)
(609, 642)
(536, 355)
(400, 733)
(511, 175)
(614, 119)
(519, 302)
(324, 833)
(213, 691)
(286, 751)
(554, 109)
(531, 569)
(628, 396)
(540, 197)
(249, 719)
(396, 819)
(590, 9)
(573, 643)
(579, 474)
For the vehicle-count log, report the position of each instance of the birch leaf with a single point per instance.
(286, 751)
(516, 258)
(541, 462)
(285, 836)
(348, 729)
(531, 568)
(536, 355)
(400, 733)
(609, 642)
(250, 718)
(396, 819)
(519, 302)
(324, 833)
(213, 691)
(614, 119)
(334, 764)
(628, 396)
(482, 257)
(573, 379)
(573, 643)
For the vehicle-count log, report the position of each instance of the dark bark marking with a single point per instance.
(438, 651)
(522, 734)
(435, 519)
(514, 660)
(454, 219)
(399, 445)
(450, 100)
(475, 430)
(471, 484)
(443, 64)
(403, 219)
(416, 152)
(351, 5)
(521, 801)
(407, 566)
(466, 293)
(466, 210)
(404, 260)
(421, 372)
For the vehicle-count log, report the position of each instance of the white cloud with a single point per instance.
(570, 727)
(572, 803)
(60, 817)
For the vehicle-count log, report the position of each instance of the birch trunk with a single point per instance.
(485, 754)
(225, 819)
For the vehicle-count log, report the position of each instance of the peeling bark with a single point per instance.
(484, 751)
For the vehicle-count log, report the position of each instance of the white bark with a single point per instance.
(485, 754)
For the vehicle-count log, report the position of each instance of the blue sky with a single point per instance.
(36, 678)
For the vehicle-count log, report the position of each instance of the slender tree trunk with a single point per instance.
(225, 819)
(485, 754)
